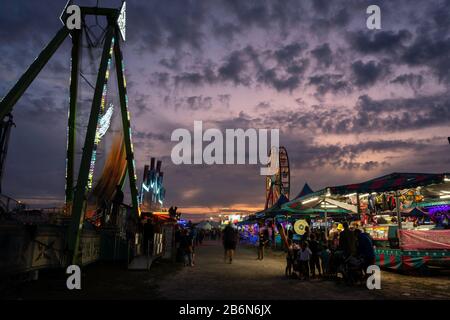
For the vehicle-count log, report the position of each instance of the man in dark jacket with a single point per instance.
(347, 241)
(365, 248)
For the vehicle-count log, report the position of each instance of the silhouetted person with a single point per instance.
(149, 234)
(365, 248)
(117, 202)
(262, 241)
(172, 213)
(347, 241)
(230, 238)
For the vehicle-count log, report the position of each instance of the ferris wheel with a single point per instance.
(279, 183)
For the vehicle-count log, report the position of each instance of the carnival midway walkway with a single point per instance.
(211, 278)
(248, 278)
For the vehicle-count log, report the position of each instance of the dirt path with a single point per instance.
(248, 278)
(211, 278)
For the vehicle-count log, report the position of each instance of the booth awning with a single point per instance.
(276, 209)
(318, 205)
(305, 191)
(391, 182)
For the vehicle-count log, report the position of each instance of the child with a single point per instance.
(303, 256)
(289, 259)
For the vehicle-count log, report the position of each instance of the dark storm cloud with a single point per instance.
(335, 19)
(250, 13)
(309, 155)
(173, 24)
(434, 53)
(323, 55)
(197, 103)
(235, 67)
(140, 135)
(369, 115)
(170, 63)
(226, 30)
(160, 79)
(325, 83)
(287, 54)
(414, 81)
(367, 73)
(271, 78)
(141, 103)
(224, 99)
(380, 41)
(190, 78)
(249, 66)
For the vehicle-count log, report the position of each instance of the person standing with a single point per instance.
(365, 248)
(262, 241)
(314, 260)
(289, 259)
(347, 241)
(229, 242)
(304, 256)
(186, 246)
(116, 203)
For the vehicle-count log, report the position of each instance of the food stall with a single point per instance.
(405, 215)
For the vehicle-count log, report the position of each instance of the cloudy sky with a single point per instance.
(351, 103)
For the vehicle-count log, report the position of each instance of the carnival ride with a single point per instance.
(152, 193)
(279, 183)
(83, 194)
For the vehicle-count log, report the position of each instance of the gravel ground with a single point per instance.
(211, 278)
(248, 278)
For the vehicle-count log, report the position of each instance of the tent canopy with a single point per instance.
(318, 205)
(391, 182)
(274, 210)
(305, 191)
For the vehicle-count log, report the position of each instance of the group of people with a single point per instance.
(190, 238)
(323, 253)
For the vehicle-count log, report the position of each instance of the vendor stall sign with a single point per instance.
(300, 226)
(420, 239)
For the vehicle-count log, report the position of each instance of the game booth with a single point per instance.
(407, 215)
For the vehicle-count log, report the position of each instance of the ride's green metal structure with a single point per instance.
(76, 195)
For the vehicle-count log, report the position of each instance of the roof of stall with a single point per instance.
(305, 191)
(390, 182)
(273, 210)
(318, 205)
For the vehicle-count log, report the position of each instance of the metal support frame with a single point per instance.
(78, 194)
(5, 130)
(397, 207)
(83, 174)
(71, 132)
(126, 123)
(8, 102)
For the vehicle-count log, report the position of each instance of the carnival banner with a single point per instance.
(421, 239)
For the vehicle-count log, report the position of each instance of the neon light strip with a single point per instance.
(102, 109)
